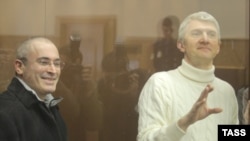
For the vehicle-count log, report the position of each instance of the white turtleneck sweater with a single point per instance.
(167, 96)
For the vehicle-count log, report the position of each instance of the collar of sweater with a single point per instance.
(195, 74)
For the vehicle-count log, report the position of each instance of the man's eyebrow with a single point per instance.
(47, 58)
(207, 30)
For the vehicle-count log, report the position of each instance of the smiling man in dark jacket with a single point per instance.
(28, 111)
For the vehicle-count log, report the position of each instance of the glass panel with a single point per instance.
(113, 41)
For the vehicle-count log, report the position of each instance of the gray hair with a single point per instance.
(200, 16)
(25, 47)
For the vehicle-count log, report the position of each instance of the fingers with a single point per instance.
(214, 110)
(200, 110)
(203, 97)
(205, 93)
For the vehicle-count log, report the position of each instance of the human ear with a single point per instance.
(19, 66)
(218, 50)
(219, 46)
(180, 46)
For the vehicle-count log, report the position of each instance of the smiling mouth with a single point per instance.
(49, 80)
(204, 48)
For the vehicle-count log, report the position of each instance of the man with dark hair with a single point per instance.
(118, 90)
(82, 110)
(165, 55)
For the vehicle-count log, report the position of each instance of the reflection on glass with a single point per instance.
(100, 103)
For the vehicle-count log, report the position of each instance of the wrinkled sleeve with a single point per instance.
(155, 123)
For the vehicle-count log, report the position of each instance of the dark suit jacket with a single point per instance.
(24, 118)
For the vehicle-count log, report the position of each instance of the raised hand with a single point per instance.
(199, 111)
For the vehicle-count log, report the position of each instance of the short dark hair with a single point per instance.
(167, 22)
(113, 62)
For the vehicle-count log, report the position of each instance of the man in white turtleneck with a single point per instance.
(189, 102)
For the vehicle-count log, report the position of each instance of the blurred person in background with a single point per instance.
(165, 55)
(82, 110)
(118, 90)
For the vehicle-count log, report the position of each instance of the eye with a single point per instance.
(57, 63)
(196, 33)
(212, 34)
(43, 62)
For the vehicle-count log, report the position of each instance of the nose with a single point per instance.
(52, 68)
(204, 37)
